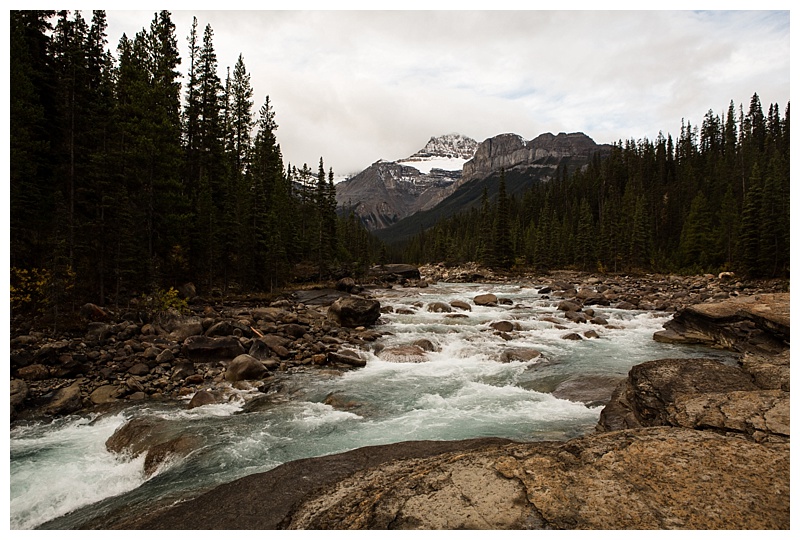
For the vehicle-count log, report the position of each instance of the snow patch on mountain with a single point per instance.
(425, 166)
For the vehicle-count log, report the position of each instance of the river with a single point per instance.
(62, 477)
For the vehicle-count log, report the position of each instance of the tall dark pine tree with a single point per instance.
(30, 91)
(209, 183)
(166, 208)
(502, 251)
(270, 212)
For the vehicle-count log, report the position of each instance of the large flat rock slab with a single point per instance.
(655, 478)
(757, 323)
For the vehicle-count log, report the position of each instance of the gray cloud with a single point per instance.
(356, 86)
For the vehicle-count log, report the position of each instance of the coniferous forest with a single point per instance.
(717, 199)
(127, 177)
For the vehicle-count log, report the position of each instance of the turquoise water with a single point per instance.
(62, 476)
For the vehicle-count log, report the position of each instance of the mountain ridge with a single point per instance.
(395, 200)
(388, 191)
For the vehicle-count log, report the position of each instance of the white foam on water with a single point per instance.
(460, 391)
(62, 466)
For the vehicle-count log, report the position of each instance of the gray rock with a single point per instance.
(439, 307)
(519, 355)
(107, 393)
(65, 401)
(505, 326)
(485, 300)
(403, 353)
(244, 367)
(346, 356)
(353, 312)
(460, 304)
(200, 349)
(202, 397)
(19, 391)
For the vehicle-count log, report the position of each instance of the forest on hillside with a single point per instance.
(125, 180)
(717, 199)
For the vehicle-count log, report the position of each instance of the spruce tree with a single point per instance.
(502, 251)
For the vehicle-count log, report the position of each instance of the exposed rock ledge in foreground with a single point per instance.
(688, 444)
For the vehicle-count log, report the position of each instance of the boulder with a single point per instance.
(768, 372)
(65, 401)
(180, 446)
(202, 397)
(179, 330)
(460, 304)
(244, 367)
(165, 356)
(567, 306)
(439, 307)
(346, 284)
(201, 349)
(346, 356)
(403, 354)
(34, 372)
(761, 415)
(656, 478)
(140, 368)
(134, 437)
(107, 393)
(19, 391)
(645, 398)
(593, 390)
(505, 326)
(221, 328)
(187, 291)
(756, 323)
(519, 355)
(276, 344)
(99, 331)
(394, 272)
(425, 344)
(354, 311)
(485, 300)
(576, 317)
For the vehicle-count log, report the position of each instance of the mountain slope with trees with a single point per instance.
(717, 199)
(124, 180)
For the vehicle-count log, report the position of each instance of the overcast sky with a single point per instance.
(357, 86)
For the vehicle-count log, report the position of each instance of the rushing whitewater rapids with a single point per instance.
(63, 477)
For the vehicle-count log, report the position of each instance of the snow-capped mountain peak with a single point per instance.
(446, 152)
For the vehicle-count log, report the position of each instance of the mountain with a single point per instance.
(509, 151)
(388, 191)
(525, 162)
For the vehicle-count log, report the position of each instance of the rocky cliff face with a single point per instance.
(388, 191)
(508, 151)
(452, 146)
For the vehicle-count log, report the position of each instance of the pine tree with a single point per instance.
(584, 247)
(502, 251)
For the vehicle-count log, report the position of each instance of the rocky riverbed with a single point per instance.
(683, 444)
(673, 412)
(116, 356)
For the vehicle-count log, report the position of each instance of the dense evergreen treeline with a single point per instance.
(124, 180)
(718, 199)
